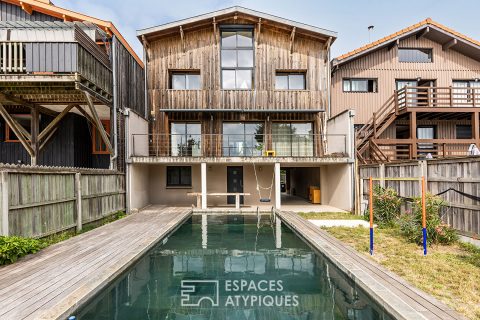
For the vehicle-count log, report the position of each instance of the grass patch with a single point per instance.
(450, 273)
(12, 248)
(329, 215)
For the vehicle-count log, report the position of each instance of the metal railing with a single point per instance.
(237, 145)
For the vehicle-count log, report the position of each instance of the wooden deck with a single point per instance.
(397, 296)
(53, 282)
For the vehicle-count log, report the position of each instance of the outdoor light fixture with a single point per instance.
(418, 79)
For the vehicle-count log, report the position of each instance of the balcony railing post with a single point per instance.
(451, 95)
(395, 92)
(473, 97)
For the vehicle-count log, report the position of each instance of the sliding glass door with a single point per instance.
(186, 139)
(293, 139)
(243, 139)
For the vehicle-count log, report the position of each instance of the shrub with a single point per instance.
(437, 232)
(12, 248)
(386, 206)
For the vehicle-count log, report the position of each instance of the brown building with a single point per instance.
(416, 93)
(238, 100)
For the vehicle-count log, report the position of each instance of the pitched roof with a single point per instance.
(46, 7)
(405, 33)
(300, 27)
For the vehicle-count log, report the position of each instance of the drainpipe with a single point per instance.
(351, 148)
(328, 81)
(127, 160)
(115, 102)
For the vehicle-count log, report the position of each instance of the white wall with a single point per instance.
(138, 196)
(341, 134)
(138, 135)
(336, 184)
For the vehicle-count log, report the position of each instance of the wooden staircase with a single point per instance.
(367, 150)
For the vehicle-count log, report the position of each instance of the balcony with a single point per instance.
(239, 146)
(49, 63)
(245, 100)
(437, 97)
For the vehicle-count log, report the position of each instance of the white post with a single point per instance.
(278, 233)
(237, 201)
(278, 200)
(78, 200)
(4, 205)
(204, 231)
(381, 169)
(204, 184)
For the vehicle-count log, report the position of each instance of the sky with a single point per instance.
(350, 18)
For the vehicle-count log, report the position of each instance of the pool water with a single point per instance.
(232, 267)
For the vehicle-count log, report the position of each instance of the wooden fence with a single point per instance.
(462, 174)
(37, 202)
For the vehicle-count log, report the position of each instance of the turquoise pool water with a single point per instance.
(232, 267)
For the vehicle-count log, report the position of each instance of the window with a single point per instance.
(186, 139)
(243, 139)
(290, 81)
(415, 55)
(426, 132)
(463, 131)
(292, 138)
(25, 120)
(360, 85)
(99, 147)
(185, 81)
(179, 176)
(237, 58)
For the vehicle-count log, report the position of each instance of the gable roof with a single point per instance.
(266, 18)
(46, 7)
(430, 29)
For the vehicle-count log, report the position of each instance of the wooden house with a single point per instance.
(416, 93)
(238, 101)
(67, 81)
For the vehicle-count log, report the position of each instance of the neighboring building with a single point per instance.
(416, 93)
(238, 98)
(66, 81)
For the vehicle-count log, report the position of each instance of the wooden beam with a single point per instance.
(215, 30)
(14, 125)
(423, 33)
(52, 125)
(26, 7)
(447, 45)
(413, 134)
(34, 142)
(67, 18)
(16, 100)
(394, 44)
(87, 116)
(47, 139)
(292, 39)
(476, 127)
(183, 39)
(96, 119)
(259, 30)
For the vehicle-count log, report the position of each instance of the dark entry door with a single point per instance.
(234, 183)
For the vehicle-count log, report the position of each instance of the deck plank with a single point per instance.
(394, 293)
(53, 282)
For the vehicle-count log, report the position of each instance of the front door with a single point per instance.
(234, 183)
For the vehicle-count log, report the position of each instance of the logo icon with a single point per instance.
(193, 292)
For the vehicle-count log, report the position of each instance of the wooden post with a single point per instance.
(381, 169)
(78, 200)
(413, 133)
(4, 204)
(476, 127)
(395, 92)
(370, 206)
(35, 126)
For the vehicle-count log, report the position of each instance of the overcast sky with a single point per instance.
(350, 18)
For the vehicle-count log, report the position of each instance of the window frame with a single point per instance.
(288, 73)
(237, 28)
(360, 79)
(185, 135)
(9, 131)
(95, 150)
(179, 185)
(415, 48)
(463, 125)
(183, 73)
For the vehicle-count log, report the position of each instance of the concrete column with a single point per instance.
(278, 233)
(204, 184)
(278, 199)
(204, 231)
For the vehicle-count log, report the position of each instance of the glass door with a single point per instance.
(409, 97)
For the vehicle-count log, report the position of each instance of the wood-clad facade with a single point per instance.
(419, 105)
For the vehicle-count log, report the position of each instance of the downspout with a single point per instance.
(325, 151)
(145, 63)
(127, 160)
(115, 106)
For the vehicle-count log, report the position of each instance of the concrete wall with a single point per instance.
(336, 185)
(138, 196)
(138, 135)
(340, 134)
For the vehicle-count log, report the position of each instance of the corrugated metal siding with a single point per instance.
(10, 12)
(383, 65)
(51, 57)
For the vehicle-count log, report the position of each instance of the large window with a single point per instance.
(185, 80)
(243, 139)
(237, 58)
(98, 146)
(426, 132)
(292, 139)
(415, 55)
(360, 85)
(290, 81)
(179, 176)
(463, 131)
(186, 139)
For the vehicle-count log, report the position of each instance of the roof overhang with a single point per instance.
(449, 39)
(207, 18)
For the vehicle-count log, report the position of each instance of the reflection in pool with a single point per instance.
(232, 267)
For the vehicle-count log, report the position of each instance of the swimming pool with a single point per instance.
(232, 267)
